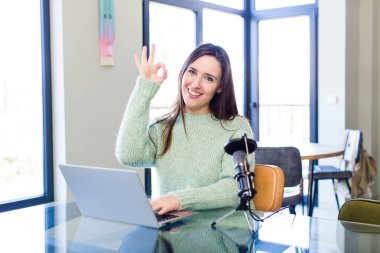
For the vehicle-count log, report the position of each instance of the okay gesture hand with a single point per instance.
(148, 69)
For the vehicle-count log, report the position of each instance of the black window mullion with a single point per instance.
(254, 74)
(47, 102)
(198, 5)
(314, 76)
(247, 60)
(199, 26)
(283, 12)
(146, 22)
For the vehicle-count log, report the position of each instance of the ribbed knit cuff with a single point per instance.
(184, 200)
(146, 88)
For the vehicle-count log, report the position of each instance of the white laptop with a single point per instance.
(114, 194)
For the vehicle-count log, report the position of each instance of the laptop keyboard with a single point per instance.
(164, 217)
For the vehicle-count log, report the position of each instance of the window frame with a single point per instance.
(48, 178)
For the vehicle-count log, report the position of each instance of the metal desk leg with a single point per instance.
(310, 188)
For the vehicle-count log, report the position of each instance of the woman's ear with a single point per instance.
(219, 90)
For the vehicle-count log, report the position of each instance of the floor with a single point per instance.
(327, 207)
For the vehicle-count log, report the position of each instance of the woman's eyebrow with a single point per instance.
(207, 74)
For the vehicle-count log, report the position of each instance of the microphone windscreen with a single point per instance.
(239, 158)
(234, 145)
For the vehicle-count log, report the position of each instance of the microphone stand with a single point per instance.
(242, 248)
(243, 206)
(246, 195)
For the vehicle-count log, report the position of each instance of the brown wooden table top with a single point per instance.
(310, 151)
(315, 151)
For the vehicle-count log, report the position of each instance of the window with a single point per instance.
(25, 108)
(283, 101)
(173, 46)
(272, 47)
(284, 97)
(229, 25)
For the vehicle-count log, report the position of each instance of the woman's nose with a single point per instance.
(196, 82)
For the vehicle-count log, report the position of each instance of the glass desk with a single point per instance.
(59, 227)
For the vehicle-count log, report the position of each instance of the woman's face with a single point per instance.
(199, 84)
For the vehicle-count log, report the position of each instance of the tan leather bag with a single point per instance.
(363, 180)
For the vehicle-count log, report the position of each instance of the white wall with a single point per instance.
(89, 99)
(362, 73)
(331, 73)
(331, 68)
(349, 69)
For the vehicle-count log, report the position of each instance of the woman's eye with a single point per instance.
(209, 79)
(191, 71)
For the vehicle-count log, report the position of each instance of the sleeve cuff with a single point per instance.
(146, 88)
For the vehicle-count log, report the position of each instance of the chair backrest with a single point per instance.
(343, 138)
(352, 149)
(360, 210)
(269, 185)
(287, 158)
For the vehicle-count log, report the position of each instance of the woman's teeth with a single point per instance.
(192, 93)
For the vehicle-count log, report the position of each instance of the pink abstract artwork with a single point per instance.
(106, 32)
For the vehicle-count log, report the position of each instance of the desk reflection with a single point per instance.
(86, 234)
(67, 231)
(196, 235)
(352, 237)
(279, 233)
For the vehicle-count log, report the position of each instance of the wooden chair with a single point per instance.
(269, 185)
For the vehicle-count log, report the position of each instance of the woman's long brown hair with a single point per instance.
(222, 105)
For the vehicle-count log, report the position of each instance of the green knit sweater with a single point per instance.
(195, 169)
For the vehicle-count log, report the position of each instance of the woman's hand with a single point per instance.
(148, 69)
(165, 204)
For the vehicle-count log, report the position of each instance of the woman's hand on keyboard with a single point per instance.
(165, 204)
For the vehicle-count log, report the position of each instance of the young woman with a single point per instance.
(187, 144)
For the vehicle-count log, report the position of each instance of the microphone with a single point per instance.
(239, 148)
(243, 177)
